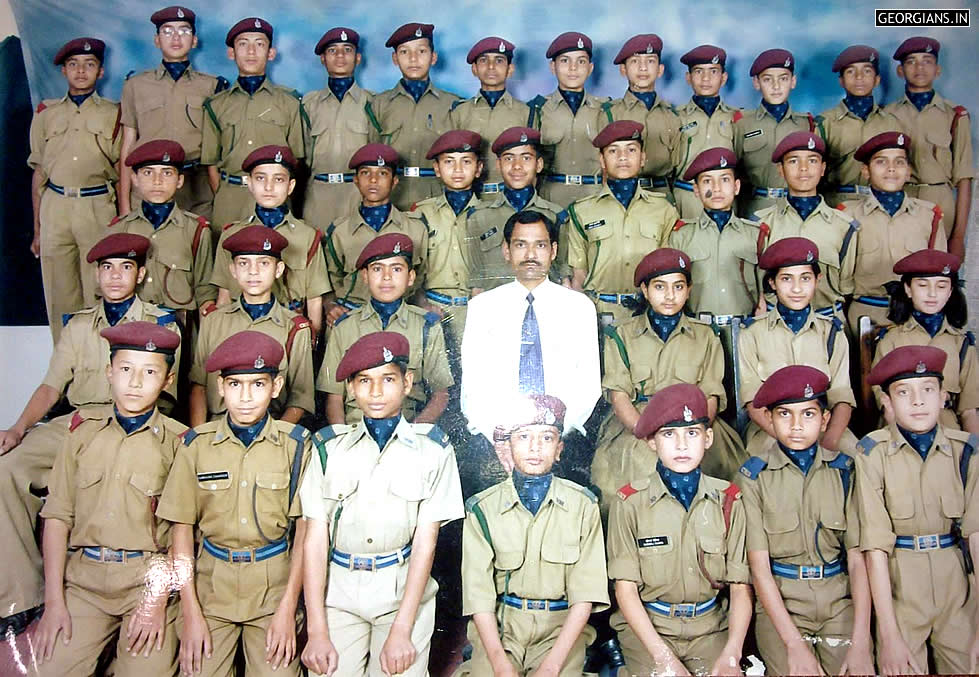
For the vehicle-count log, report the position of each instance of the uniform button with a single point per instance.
(153, 236)
(370, 540)
(75, 158)
(213, 486)
(249, 142)
(149, 279)
(173, 266)
(118, 475)
(245, 521)
(723, 289)
(340, 496)
(244, 483)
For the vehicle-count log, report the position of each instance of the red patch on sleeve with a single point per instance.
(679, 224)
(41, 107)
(209, 307)
(737, 116)
(627, 491)
(76, 421)
(414, 205)
(841, 207)
(115, 220)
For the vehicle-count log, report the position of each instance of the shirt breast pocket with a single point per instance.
(176, 279)
(101, 128)
(147, 484)
(491, 238)
(559, 552)
(597, 230)
(214, 492)
(899, 500)
(785, 538)
(657, 556)
(508, 560)
(194, 111)
(272, 120)
(150, 105)
(58, 126)
(272, 494)
(715, 554)
(755, 141)
(406, 494)
(941, 146)
(88, 482)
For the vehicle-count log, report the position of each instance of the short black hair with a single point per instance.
(530, 216)
(768, 281)
(899, 311)
(822, 400)
(169, 358)
(400, 362)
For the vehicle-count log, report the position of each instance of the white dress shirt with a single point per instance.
(491, 353)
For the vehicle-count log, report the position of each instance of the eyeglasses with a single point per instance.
(170, 31)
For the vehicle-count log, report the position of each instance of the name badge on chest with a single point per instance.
(653, 541)
(594, 224)
(212, 476)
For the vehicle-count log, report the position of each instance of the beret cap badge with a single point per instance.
(150, 346)
(343, 35)
(920, 368)
(581, 43)
(388, 355)
(259, 362)
(808, 392)
(180, 13)
(687, 414)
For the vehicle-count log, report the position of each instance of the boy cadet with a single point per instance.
(413, 113)
(74, 151)
(338, 126)
(374, 499)
(167, 102)
(234, 481)
(941, 158)
(705, 120)
(385, 265)
(639, 61)
(852, 121)
(568, 120)
(251, 114)
(892, 224)
(519, 160)
(675, 540)
(77, 369)
(610, 232)
(757, 133)
(533, 557)
(375, 166)
(802, 535)
(916, 500)
(104, 487)
(180, 260)
(494, 109)
(256, 263)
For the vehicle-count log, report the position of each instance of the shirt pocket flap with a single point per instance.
(210, 484)
(195, 101)
(357, 125)
(337, 488)
(147, 484)
(273, 116)
(754, 140)
(173, 262)
(780, 522)
(562, 553)
(409, 488)
(953, 505)
(272, 480)
(900, 503)
(711, 544)
(831, 515)
(145, 104)
(294, 258)
(941, 138)
(57, 127)
(509, 560)
(101, 126)
(598, 229)
(87, 477)
(491, 238)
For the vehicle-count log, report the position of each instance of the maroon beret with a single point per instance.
(256, 240)
(372, 350)
(712, 158)
(375, 155)
(271, 155)
(119, 246)
(799, 141)
(174, 13)
(157, 152)
(917, 45)
(882, 142)
(252, 24)
(384, 247)
(569, 42)
(678, 405)
(540, 410)
(145, 336)
(92, 46)
(704, 54)
(493, 45)
(247, 352)
(645, 43)
(620, 130)
(790, 251)
(661, 262)
(928, 263)
(516, 136)
(856, 54)
(409, 32)
(795, 383)
(455, 141)
(334, 35)
(773, 58)
(908, 362)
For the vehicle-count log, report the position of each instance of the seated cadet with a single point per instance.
(375, 166)
(928, 307)
(802, 534)
(892, 224)
(639, 61)
(180, 260)
(374, 500)
(916, 500)
(494, 109)
(705, 120)
(413, 113)
(676, 540)
(568, 120)
(852, 121)
(256, 263)
(104, 486)
(800, 159)
(77, 370)
(793, 333)
(251, 114)
(338, 126)
(757, 132)
(533, 557)
(234, 482)
(519, 161)
(941, 158)
(385, 264)
(612, 231)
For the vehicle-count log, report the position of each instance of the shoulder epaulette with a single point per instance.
(841, 207)
(867, 444)
(314, 246)
(298, 432)
(40, 107)
(329, 229)
(680, 223)
(202, 225)
(130, 74)
(472, 501)
(65, 318)
(341, 318)
(627, 491)
(936, 218)
(76, 420)
(413, 207)
(326, 433)
(432, 319)
(561, 217)
(169, 316)
(299, 322)
(748, 321)
(763, 231)
(737, 116)
(221, 84)
(438, 436)
(882, 331)
(960, 112)
(456, 104)
(588, 493)
(208, 308)
(189, 436)
(469, 211)
(753, 467)
(842, 461)
(537, 101)
(114, 221)
(731, 494)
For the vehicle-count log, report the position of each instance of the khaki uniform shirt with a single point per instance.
(105, 482)
(937, 154)
(845, 133)
(476, 115)
(449, 258)
(280, 323)
(661, 133)
(698, 132)
(76, 146)
(559, 553)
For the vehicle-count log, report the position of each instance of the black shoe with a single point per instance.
(594, 659)
(612, 651)
(17, 623)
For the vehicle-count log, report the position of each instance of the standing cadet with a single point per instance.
(758, 132)
(168, 103)
(413, 113)
(234, 482)
(494, 109)
(74, 151)
(941, 159)
(852, 121)
(251, 114)
(705, 120)
(338, 126)
(610, 232)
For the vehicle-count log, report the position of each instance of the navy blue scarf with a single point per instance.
(271, 216)
(493, 97)
(648, 98)
(932, 322)
(681, 485)
(257, 310)
(804, 205)
(381, 429)
(415, 87)
(663, 325)
(920, 99)
(519, 199)
(176, 68)
(251, 83)
(719, 216)
(375, 217)
(624, 190)
(385, 310)
(573, 99)
(803, 458)
(248, 434)
(794, 319)
(920, 442)
(79, 99)
(132, 423)
(891, 201)
(458, 199)
(156, 214)
(708, 104)
(859, 105)
(776, 110)
(339, 86)
(531, 489)
(115, 311)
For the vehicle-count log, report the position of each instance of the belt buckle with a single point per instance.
(361, 563)
(334, 178)
(73, 192)
(109, 555)
(572, 179)
(862, 190)
(239, 556)
(927, 542)
(491, 188)
(645, 182)
(810, 573)
(683, 610)
(535, 605)
(459, 301)
(414, 172)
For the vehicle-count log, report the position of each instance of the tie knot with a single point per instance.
(530, 298)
